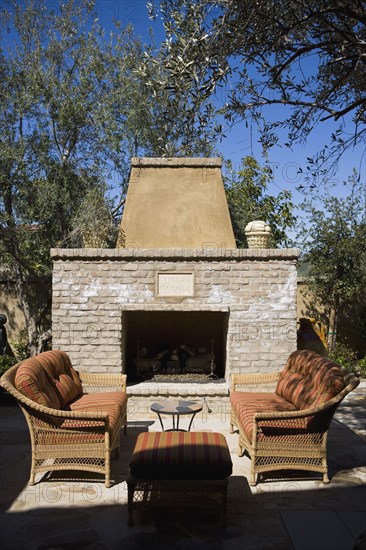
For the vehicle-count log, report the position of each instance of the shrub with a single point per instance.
(347, 357)
(361, 365)
(21, 350)
(7, 361)
(344, 355)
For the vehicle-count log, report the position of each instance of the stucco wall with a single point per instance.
(176, 203)
(40, 290)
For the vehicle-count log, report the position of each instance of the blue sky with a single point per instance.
(240, 140)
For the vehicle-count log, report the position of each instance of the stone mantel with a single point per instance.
(211, 252)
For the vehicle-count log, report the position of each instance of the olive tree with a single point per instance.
(305, 57)
(333, 237)
(249, 199)
(73, 110)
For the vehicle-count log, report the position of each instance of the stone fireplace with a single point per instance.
(204, 311)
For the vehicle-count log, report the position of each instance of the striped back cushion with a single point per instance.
(32, 381)
(58, 367)
(309, 379)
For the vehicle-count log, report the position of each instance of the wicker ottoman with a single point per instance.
(179, 468)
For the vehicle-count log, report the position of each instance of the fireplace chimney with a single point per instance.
(176, 203)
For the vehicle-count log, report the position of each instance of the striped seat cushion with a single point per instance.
(114, 423)
(99, 402)
(247, 404)
(181, 455)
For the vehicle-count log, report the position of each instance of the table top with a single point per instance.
(177, 407)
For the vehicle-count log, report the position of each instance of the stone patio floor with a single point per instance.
(295, 513)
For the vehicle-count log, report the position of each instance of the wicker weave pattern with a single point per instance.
(285, 440)
(73, 439)
(258, 240)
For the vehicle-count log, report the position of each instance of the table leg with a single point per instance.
(161, 422)
(190, 424)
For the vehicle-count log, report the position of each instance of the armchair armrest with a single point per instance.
(284, 415)
(95, 382)
(295, 422)
(64, 431)
(43, 420)
(56, 416)
(304, 413)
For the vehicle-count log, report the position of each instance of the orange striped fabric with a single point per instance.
(112, 410)
(57, 364)
(181, 455)
(247, 404)
(33, 382)
(309, 379)
(49, 379)
(111, 403)
(100, 402)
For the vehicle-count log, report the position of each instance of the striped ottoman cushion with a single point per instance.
(181, 455)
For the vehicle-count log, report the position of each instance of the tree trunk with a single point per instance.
(332, 333)
(30, 320)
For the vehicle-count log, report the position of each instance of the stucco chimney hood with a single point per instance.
(176, 203)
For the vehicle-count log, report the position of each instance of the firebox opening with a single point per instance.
(183, 345)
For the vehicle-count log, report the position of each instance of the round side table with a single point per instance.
(176, 409)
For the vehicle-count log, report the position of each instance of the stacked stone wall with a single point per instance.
(93, 288)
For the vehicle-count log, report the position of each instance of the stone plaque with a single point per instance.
(175, 284)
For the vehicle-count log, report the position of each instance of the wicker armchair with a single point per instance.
(77, 435)
(287, 429)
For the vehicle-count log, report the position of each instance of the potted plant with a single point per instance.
(94, 222)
